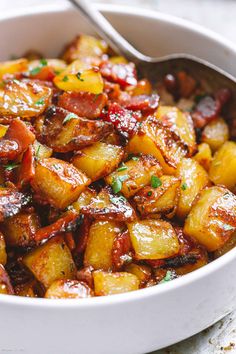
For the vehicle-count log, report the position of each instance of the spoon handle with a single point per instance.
(108, 33)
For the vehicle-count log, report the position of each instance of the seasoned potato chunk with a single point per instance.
(3, 129)
(84, 199)
(107, 206)
(24, 99)
(223, 166)
(98, 253)
(98, 160)
(181, 123)
(153, 239)
(160, 200)
(231, 243)
(133, 175)
(68, 289)
(84, 47)
(58, 182)
(193, 179)
(13, 66)
(80, 76)
(41, 151)
(3, 253)
(204, 156)
(212, 219)
(64, 131)
(197, 259)
(106, 283)
(19, 230)
(160, 141)
(28, 289)
(5, 284)
(142, 272)
(51, 261)
(215, 133)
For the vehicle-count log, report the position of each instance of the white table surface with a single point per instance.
(218, 15)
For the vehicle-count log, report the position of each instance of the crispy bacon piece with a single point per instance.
(122, 74)
(84, 104)
(144, 103)
(186, 83)
(58, 226)
(86, 275)
(27, 169)
(83, 235)
(69, 239)
(112, 90)
(11, 202)
(125, 121)
(120, 250)
(46, 73)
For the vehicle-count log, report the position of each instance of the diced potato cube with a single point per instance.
(160, 200)
(181, 123)
(223, 166)
(84, 47)
(229, 245)
(3, 253)
(59, 182)
(79, 76)
(98, 160)
(13, 66)
(24, 99)
(84, 199)
(215, 133)
(142, 272)
(68, 289)
(114, 283)
(204, 156)
(156, 139)
(193, 179)
(5, 284)
(3, 130)
(212, 219)
(153, 239)
(98, 253)
(143, 87)
(134, 175)
(51, 261)
(41, 151)
(19, 230)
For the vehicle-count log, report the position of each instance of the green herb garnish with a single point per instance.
(40, 102)
(117, 183)
(167, 277)
(122, 167)
(43, 62)
(65, 78)
(155, 182)
(68, 117)
(78, 75)
(37, 69)
(37, 152)
(184, 187)
(11, 166)
(149, 193)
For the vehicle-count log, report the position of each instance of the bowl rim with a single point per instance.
(160, 289)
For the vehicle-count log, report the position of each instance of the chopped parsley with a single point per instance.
(122, 167)
(167, 277)
(40, 102)
(149, 193)
(118, 199)
(65, 78)
(11, 166)
(37, 69)
(155, 182)
(117, 183)
(37, 152)
(43, 62)
(68, 117)
(78, 75)
(133, 157)
(184, 187)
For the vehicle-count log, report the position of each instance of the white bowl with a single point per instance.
(143, 320)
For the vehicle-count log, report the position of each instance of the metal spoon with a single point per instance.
(156, 68)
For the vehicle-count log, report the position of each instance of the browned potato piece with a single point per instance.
(84, 47)
(59, 182)
(64, 131)
(19, 230)
(51, 261)
(223, 166)
(229, 245)
(27, 290)
(41, 151)
(5, 284)
(215, 133)
(84, 199)
(160, 200)
(201, 260)
(153, 239)
(68, 289)
(3, 253)
(203, 156)
(24, 99)
(3, 130)
(181, 123)
(212, 219)
(106, 283)
(98, 160)
(98, 253)
(142, 272)
(134, 175)
(13, 66)
(158, 140)
(107, 206)
(80, 77)
(193, 179)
